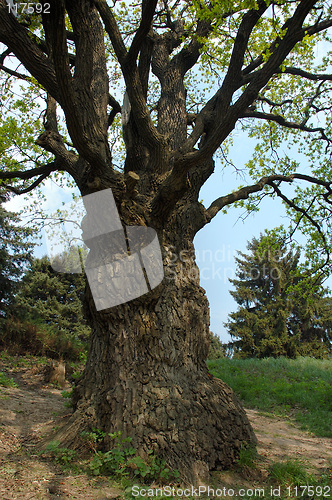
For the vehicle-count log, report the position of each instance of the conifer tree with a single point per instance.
(46, 317)
(282, 310)
(53, 299)
(15, 254)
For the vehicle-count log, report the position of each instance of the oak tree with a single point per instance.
(193, 72)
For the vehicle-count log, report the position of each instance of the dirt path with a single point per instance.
(30, 411)
(279, 439)
(27, 414)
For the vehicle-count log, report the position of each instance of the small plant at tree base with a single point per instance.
(248, 455)
(67, 395)
(62, 456)
(6, 381)
(93, 438)
(123, 461)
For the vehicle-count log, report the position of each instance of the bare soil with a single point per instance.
(29, 413)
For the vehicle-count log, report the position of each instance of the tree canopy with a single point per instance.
(192, 74)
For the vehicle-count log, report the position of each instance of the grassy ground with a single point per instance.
(299, 388)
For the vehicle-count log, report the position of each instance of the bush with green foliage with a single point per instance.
(282, 310)
(46, 316)
(6, 381)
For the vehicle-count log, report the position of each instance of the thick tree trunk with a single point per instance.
(146, 376)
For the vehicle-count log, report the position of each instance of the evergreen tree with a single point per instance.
(53, 299)
(46, 316)
(282, 312)
(15, 254)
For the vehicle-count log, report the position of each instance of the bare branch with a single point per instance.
(28, 189)
(148, 10)
(34, 172)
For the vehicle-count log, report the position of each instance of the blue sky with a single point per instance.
(218, 242)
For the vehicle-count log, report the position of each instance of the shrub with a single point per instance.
(22, 337)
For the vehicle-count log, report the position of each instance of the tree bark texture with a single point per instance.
(146, 375)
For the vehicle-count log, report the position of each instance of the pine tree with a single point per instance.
(54, 300)
(282, 312)
(15, 254)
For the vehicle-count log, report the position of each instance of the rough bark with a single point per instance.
(146, 375)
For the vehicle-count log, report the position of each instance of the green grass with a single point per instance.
(300, 388)
(290, 472)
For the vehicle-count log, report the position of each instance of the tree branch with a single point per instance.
(151, 137)
(148, 10)
(244, 192)
(28, 189)
(220, 129)
(304, 213)
(271, 117)
(234, 73)
(11, 72)
(116, 108)
(248, 72)
(306, 74)
(34, 172)
(112, 30)
(23, 46)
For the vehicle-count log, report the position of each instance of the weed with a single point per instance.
(62, 456)
(290, 472)
(248, 455)
(6, 381)
(67, 395)
(93, 438)
(122, 461)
